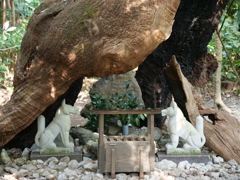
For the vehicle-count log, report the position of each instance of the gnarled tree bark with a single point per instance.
(195, 22)
(66, 40)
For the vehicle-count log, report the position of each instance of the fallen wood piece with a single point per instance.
(223, 137)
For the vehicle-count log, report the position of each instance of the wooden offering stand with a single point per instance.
(126, 153)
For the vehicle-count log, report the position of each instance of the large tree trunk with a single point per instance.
(66, 40)
(195, 22)
(26, 137)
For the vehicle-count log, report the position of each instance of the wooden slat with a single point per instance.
(128, 111)
(100, 143)
(113, 174)
(141, 174)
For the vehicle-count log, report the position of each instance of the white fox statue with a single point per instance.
(180, 127)
(60, 124)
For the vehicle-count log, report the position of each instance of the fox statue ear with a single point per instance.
(63, 102)
(174, 105)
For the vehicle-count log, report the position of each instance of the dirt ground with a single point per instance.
(229, 98)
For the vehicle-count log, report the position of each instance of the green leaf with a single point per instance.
(127, 85)
(137, 121)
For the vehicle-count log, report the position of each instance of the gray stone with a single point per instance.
(20, 161)
(36, 155)
(32, 162)
(51, 159)
(201, 158)
(92, 146)
(51, 176)
(233, 162)
(79, 171)
(157, 133)
(65, 159)
(61, 166)
(45, 173)
(180, 178)
(26, 153)
(114, 130)
(143, 132)
(214, 175)
(205, 178)
(86, 160)
(84, 135)
(92, 167)
(70, 173)
(227, 166)
(1, 169)
(35, 175)
(121, 176)
(174, 172)
(40, 171)
(210, 163)
(182, 165)
(4, 157)
(52, 164)
(62, 176)
(31, 167)
(39, 161)
(10, 170)
(217, 159)
(117, 83)
(22, 173)
(13, 165)
(183, 175)
(73, 164)
(86, 177)
(165, 165)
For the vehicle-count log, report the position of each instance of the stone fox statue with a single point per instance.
(60, 124)
(180, 127)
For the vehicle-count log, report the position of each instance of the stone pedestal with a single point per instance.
(191, 158)
(181, 151)
(58, 150)
(77, 155)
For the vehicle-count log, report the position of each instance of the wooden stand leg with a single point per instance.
(141, 174)
(113, 174)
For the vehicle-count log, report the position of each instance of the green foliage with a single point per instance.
(97, 103)
(24, 9)
(230, 37)
(114, 101)
(11, 37)
(125, 101)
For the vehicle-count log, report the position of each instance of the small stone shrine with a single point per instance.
(126, 153)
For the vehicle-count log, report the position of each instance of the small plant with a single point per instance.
(97, 103)
(126, 101)
(114, 101)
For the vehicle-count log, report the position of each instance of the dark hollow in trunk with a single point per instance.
(195, 22)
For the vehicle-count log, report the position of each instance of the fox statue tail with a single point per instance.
(199, 128)
(41, 127)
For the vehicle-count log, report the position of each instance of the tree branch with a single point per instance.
(10, 48)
